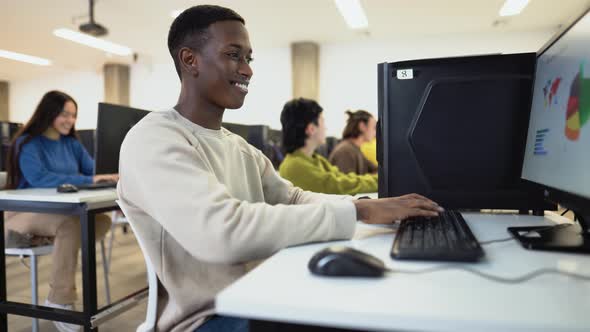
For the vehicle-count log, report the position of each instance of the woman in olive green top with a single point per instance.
(303, 131)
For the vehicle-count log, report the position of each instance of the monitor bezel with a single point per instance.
(575, 202)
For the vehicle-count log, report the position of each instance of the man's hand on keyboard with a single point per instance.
(388, 210)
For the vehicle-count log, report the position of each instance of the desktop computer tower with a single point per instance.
(454, 129)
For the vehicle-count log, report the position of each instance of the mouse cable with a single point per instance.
(516, 280)
(483, 243)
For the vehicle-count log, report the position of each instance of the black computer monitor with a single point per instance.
(114, 121)
(7, 132)
(454, 129)
(238, 129)
(275, 136)
(273, 147)
(325, 149)
(8, 129)
(87, 139)
(258, 136)
(261, 137)
(255, 135)
(557, 156)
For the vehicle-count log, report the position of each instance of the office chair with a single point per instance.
(118, 220)
(33, 253)
(149, 325)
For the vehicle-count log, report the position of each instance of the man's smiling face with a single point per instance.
(224, 65)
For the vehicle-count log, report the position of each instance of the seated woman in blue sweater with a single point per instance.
(46, 153)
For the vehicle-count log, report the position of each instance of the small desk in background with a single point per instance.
(86, 204)
(283, 290)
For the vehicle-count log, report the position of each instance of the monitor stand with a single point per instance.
(562, 237)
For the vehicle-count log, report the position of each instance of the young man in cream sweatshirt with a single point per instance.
(205, 201)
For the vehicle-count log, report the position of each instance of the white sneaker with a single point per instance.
(61, 326)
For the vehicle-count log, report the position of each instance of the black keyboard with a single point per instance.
(98, 185)
(443, 238)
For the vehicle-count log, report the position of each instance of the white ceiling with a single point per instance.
(26, 25)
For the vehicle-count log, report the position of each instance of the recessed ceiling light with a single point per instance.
(353, 13)
(88, 40)
(24, 58)
(513, 7)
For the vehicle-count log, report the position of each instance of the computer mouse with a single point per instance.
(340, 261)
(67, 188)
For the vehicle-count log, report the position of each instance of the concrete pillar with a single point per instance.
(116, 83)
(4, 102)
(305, 63)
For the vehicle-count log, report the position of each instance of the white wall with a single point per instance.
(348, 75)
(156, 87)
(348, 71)
(348, 78)
(153, 87)
(269, 90)
(87, 88)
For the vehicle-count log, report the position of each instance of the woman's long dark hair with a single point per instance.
(49, 108)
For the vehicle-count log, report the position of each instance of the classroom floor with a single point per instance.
(123, 280)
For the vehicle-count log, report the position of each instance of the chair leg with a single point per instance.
(34, 294)
(111, 240)
(105, 266)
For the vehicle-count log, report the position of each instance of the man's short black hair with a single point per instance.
(192, 24)
(296, 115)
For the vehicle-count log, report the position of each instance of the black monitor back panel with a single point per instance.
(114, 121)
(456, 130)
(326, 149)
(87, 139)
(255, 135)
(7, 132)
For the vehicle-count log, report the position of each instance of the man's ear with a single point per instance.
(310, 129)
(188, 61)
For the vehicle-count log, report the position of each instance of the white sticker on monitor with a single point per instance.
(405, 74)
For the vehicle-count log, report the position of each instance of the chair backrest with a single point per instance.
(152, 308)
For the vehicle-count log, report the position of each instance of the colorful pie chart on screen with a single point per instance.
(578, 106)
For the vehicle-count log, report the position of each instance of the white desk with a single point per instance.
(96, 197)
(86, 204)
(282, 289)
(370, 195)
